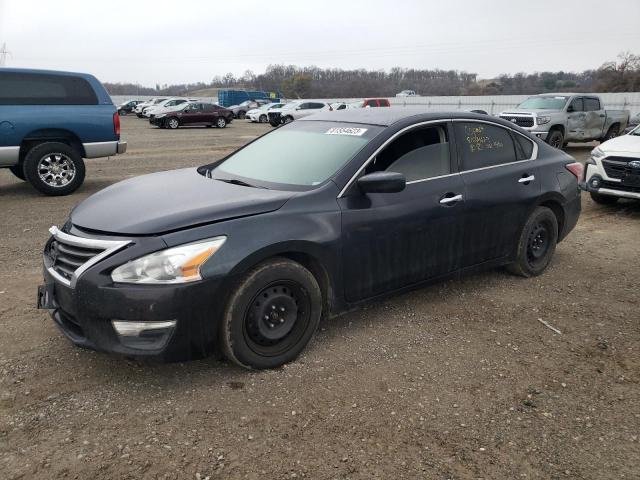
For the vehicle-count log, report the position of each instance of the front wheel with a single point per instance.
(54, 168)
(172, 123)
(221, 122)
(272, 315)
(263, 119)
(537, 243)
(603, 199)
(556, 139)
(241, 114)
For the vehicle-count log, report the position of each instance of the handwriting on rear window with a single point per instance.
(479, 141)
(356, 132)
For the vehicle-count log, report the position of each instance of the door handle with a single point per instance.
(450, 200)
(528, 179)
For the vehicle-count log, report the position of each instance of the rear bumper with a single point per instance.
(104, 149)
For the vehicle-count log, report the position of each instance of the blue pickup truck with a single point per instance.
(49, 122)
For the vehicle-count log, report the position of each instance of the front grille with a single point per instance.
(619, 186)
(67, 258)
(518, 120)
(618, 167)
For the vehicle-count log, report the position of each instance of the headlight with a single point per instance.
(597, 153)
(174, 265)
(542, 120)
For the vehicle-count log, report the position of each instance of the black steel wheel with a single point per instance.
(271, 315)
(537, 243)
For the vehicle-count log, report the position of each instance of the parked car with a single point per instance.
(260, 114)
(633, 123)
(126, 108)
(295, 110)
(139, 110)
(307, 221)
(240, 111)
(559, 118)
(50, 121)
(338, 106)
(406, 93)
(371, 102)
(166, 106)
(613, 171)
(194, 114)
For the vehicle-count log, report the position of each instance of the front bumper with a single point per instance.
(156, 121)
(164, 322)
(597, 181)
(537, 133)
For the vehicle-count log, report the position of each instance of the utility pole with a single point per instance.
(3, 55)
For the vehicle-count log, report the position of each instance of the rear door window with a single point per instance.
(43, 89)
(483, 145)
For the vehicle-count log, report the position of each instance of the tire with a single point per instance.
(271, 315)
(18, 171)
(613, 132)
(221, 122)
(172, 123)
(263, 119)
(603, 199)
(54, 168)
(287, 119)
(139, 115)
(537, 243)
(241, 114)
(273, 124)
(556, 139)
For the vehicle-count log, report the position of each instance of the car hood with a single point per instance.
(172, 200)
(624, 143)
(529, 110)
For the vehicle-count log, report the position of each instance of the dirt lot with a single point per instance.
(455, 381)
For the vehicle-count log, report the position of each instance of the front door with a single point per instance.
(392, 240)
(501, 185)
(576, 120)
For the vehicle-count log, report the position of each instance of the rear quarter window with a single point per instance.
(483, 145)
(524, 147)
(43, 89)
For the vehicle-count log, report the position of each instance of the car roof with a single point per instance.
(388, 116)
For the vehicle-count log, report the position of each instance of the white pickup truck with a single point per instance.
(559, 118)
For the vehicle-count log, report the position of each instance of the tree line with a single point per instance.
(621, 75)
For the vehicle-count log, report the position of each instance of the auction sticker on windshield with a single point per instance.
(346, 131)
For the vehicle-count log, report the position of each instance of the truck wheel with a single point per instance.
(271, 316)
(556, 139)
(613, 132)
(18, 171)
(54, 168)
(221, 122)
(263, 119)
(172, 123)
(537, 243)
(603, 199)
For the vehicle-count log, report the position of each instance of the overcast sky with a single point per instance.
(187, 40)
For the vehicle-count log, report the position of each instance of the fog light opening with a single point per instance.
(595, 182)
(127, 328)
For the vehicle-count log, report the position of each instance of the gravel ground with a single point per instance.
(456, 381)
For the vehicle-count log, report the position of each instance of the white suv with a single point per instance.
(295, 110)
(613, 171)
(165, 106)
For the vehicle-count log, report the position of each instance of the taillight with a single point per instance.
(116, 123)
(576, 168)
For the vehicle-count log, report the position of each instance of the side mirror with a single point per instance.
(382, 182)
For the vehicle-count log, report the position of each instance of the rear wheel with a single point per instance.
(18, 171)
(272, 315)
(221, 122)
(241, 114)
(172, 123)
(603, 199)
(54, 168)
(556, 138)
(613, 132)
(537, 243)
(263, 119)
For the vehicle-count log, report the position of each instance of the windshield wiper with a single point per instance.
(235, 181)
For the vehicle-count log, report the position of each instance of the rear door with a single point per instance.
(501, 185)
(392, 240)
(595, 117)
(576, 120)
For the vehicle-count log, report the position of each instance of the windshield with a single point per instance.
(301, 154)
(544, 103)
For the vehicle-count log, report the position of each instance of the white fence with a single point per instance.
(492, 104)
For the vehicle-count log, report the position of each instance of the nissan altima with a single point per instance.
(244, 256)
